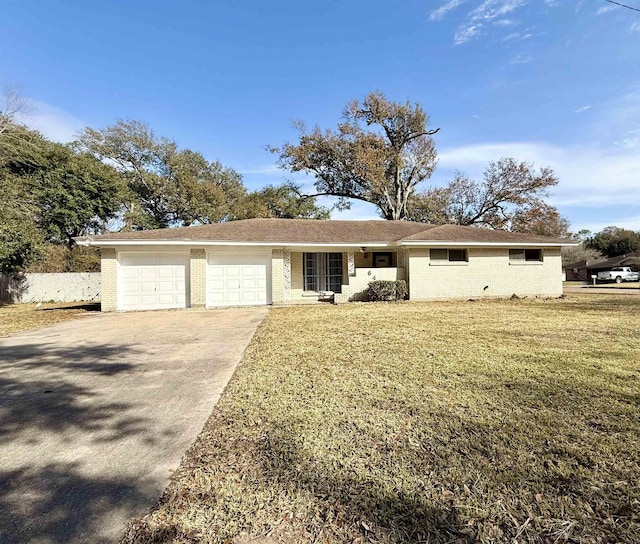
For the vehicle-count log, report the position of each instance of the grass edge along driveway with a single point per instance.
(485, 421)
(22, 317)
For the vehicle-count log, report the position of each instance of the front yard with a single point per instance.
(479, 421)
(21, 317)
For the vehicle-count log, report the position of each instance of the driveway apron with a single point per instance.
(96, 413)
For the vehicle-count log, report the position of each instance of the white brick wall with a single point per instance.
(109, 264)
(487, 273)
(198, 277)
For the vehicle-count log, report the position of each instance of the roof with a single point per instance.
(628, 259)
(459, 233)
(315, 231)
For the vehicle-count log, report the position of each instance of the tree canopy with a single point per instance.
(379, 153)
(49, 192)
(122, 177)
(282, 202)
(510, 196)
(613, 241)
(165, 186)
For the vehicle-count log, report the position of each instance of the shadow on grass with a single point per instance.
(52, 396)
(349, 501)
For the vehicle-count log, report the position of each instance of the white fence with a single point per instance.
(63, 287)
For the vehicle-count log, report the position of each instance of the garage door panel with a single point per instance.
(150, 282)
(216, 298)
(237, 280)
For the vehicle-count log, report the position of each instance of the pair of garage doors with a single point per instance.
(161, 281)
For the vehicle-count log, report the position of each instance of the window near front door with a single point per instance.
(525, 255)
(382, 260)
(323, 272)
(448, 255)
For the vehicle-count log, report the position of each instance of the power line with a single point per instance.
(622, 5)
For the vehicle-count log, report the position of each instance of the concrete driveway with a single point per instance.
(95, 414)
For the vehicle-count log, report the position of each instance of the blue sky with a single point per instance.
(555, 82)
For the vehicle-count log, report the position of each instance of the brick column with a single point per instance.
(277, 276)
(108, 288)
(198, 277)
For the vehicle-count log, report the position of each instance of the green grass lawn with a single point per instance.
(487, 421)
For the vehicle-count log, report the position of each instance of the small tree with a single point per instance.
(509, 197)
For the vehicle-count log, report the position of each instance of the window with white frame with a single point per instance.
(525, 255)
(448, 255)
(323, 272)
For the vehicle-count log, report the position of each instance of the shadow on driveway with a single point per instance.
(39, 397)
(96, 413)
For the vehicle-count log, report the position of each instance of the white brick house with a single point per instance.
(288, 261)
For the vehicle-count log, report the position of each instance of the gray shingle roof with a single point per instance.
(313, 231)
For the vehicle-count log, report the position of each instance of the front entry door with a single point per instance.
(382, 260)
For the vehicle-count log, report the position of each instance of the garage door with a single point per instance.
(238, 280)
(152, 282)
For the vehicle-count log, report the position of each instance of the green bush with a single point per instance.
(385, 290)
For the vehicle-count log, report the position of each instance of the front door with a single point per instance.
(381, 260)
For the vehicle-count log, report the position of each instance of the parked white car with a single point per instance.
(619, 274)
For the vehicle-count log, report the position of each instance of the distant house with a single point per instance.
(290, 261)
(583, 270)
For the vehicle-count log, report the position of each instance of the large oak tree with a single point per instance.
(49, 192)
(379, 154)
(167, 186)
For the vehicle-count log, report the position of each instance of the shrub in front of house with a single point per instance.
(386, 290)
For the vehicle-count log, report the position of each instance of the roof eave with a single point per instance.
(445, 243)
(166, 242)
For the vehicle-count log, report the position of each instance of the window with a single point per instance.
(525, 255)
(323, 272)
(448, 255)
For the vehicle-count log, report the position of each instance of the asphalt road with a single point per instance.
(95, 414)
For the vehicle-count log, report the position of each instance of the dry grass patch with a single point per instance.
(488, 421)
(21, 317)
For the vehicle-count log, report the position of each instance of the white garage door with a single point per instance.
(235, 280)
(152, 282)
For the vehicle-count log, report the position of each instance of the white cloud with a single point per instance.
(445, 8)
(491, 9)
(52, 122)
(632, 222)
(268, 170)
(521, 59)
(582, 109)
(488, 12)
(627, 143)
(605, 9)
(589, 177)
(465, 33)
(635, 27)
